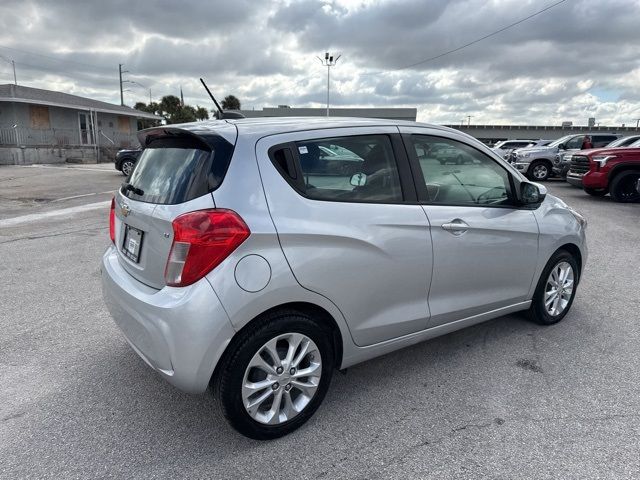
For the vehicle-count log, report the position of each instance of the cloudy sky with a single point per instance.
(578, 59)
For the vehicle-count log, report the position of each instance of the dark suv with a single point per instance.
(126, 160)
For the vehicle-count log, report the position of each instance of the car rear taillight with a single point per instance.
(112, 220)
(201, 241)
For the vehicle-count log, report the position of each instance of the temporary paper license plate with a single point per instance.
(132, 243)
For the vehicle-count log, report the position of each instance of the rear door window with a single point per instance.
(350, 169)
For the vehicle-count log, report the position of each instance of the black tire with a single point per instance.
(127, 167)
(539, 171)
(230, 375)
(596, 192)
(537, 312)
(625, 188)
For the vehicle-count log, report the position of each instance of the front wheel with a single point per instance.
(539, 171)
(556, 289)
(625, 187)
(276, 375)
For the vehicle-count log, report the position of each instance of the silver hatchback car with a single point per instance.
(259, 255)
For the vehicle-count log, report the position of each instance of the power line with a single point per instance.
(457, 49)
(53, 58)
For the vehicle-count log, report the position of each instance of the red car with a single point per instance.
(601, 171)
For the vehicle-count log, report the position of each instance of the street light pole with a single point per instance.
(328, 62)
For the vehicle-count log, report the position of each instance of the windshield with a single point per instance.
(620, 142)
(560, 140)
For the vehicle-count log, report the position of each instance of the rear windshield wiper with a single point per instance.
(130, 188)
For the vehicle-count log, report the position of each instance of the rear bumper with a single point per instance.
(179, 332)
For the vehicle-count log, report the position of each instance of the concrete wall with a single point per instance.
(38, 155)
(493, 133)
(388, 113)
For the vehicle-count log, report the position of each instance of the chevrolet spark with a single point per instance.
(256, 256)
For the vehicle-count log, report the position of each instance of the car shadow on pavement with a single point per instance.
(113, 410)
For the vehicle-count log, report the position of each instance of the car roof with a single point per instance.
(267, 125)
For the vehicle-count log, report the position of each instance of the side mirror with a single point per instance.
(358, 180)
(531, 193)
(562, 146)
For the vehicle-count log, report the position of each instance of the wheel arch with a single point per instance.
(308, 308)
(623, 167)
(575, 252)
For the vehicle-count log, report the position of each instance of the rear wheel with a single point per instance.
(596, 192)
(276, 375)
(625, 187)
(127, 167)
(556, 289)
(539, 170)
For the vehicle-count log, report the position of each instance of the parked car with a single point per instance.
(562, 162)
(505, 146)
(243, 259)
(537, 162)
(126, 160)
(609, 170)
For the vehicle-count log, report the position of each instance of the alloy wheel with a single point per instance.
(127, 168)
(281, 378)
(540, 172)
(559, 289)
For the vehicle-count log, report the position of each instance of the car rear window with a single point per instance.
(176, 170)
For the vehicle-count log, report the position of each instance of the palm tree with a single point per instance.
(231, 102)
(202, 113)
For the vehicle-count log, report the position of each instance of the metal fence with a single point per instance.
(62, 137)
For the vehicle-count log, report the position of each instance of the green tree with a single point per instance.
(169, 106)
(230, 102)
(202, 113)
(147, 122)
(183, 115)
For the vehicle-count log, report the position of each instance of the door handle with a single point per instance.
(456, 227)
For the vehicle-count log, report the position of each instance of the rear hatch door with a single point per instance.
(175, 174)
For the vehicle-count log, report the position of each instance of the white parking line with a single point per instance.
(63, 212)
(80, 196)
(80, 168)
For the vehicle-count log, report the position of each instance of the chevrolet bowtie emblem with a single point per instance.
(125, 210)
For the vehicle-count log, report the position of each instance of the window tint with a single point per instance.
(358, 168)
(457, 174)
(175, 169)
(575, 142)
(602, 140)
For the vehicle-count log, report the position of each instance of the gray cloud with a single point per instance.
(568, 63)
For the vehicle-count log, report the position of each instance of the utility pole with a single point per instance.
(121, 82)
(638, 123)
(328, 62)
(469, 117)
(13, 64)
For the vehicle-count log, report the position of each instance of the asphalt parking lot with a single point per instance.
(505, 399)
